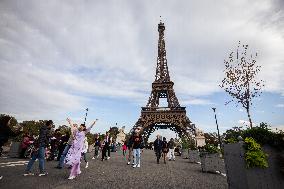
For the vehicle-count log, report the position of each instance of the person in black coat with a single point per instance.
(158, 146)
(40, 145)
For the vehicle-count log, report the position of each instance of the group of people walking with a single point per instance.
(72, 153)
(73, 147)
(163, 148)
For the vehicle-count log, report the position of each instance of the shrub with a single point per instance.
(231, 140)
(184, 143)
(263, 135)
(211, 149)
(254, 156)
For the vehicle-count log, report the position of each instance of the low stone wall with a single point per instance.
(193, 156)
(210, 162)
(240, 177)
(15, 150)
(184, 153)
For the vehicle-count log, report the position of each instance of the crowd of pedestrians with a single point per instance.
(70, 148)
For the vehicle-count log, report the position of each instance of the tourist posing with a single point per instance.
(69, 144)
(165, 148)
(171, 146)
(138, 144)
(158, 145)
(39, 152)
(73, 157)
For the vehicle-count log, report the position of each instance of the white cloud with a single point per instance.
(246, 123)
(279, 105)
(277, 128)
(56, 56)
(196, 101)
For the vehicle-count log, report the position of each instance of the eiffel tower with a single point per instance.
(173, 116)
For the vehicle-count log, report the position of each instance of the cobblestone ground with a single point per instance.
(113, 173)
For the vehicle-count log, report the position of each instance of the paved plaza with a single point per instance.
(113, 173)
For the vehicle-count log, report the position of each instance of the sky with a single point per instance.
(58, 58)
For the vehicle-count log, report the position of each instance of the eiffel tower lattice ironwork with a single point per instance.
(173, 116)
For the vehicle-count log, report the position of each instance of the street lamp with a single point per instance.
(214, 109)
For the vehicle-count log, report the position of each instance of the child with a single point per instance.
(124, 148)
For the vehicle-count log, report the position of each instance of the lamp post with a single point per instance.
(86, 115)
(214, 109)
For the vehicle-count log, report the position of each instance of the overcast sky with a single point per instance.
(59, 57)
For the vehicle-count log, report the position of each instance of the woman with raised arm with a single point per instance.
(69, 144)
(73, 156)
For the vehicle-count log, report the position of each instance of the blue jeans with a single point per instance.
(137, 156)
(64, 153)
(40, 156)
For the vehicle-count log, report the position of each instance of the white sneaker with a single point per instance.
(43, 174)
(128, 163)
(93, 158)
(87, 165)
(138, 165)
(1, 177)
(134, 166)
(71, 178)
(108, 157)
(28, 174)
(79, 173)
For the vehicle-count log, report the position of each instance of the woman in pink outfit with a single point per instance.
(73, 156)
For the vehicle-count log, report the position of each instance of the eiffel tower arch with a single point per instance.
(173, 116)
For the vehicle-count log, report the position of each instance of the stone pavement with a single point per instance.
(113, 173)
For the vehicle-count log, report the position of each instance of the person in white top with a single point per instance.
(85, 150)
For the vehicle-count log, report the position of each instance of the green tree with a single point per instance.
(64, 129)
(211, 138)
(13, 126)
(5, 118)
(231, 135)
(113, 132)
(90, 138)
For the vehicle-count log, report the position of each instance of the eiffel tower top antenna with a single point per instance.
(162, 72)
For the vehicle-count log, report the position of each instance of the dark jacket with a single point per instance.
(138, 142)
(130, 142)
(97, 143)
(158, 145)
(171, 144)
(44, 135)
